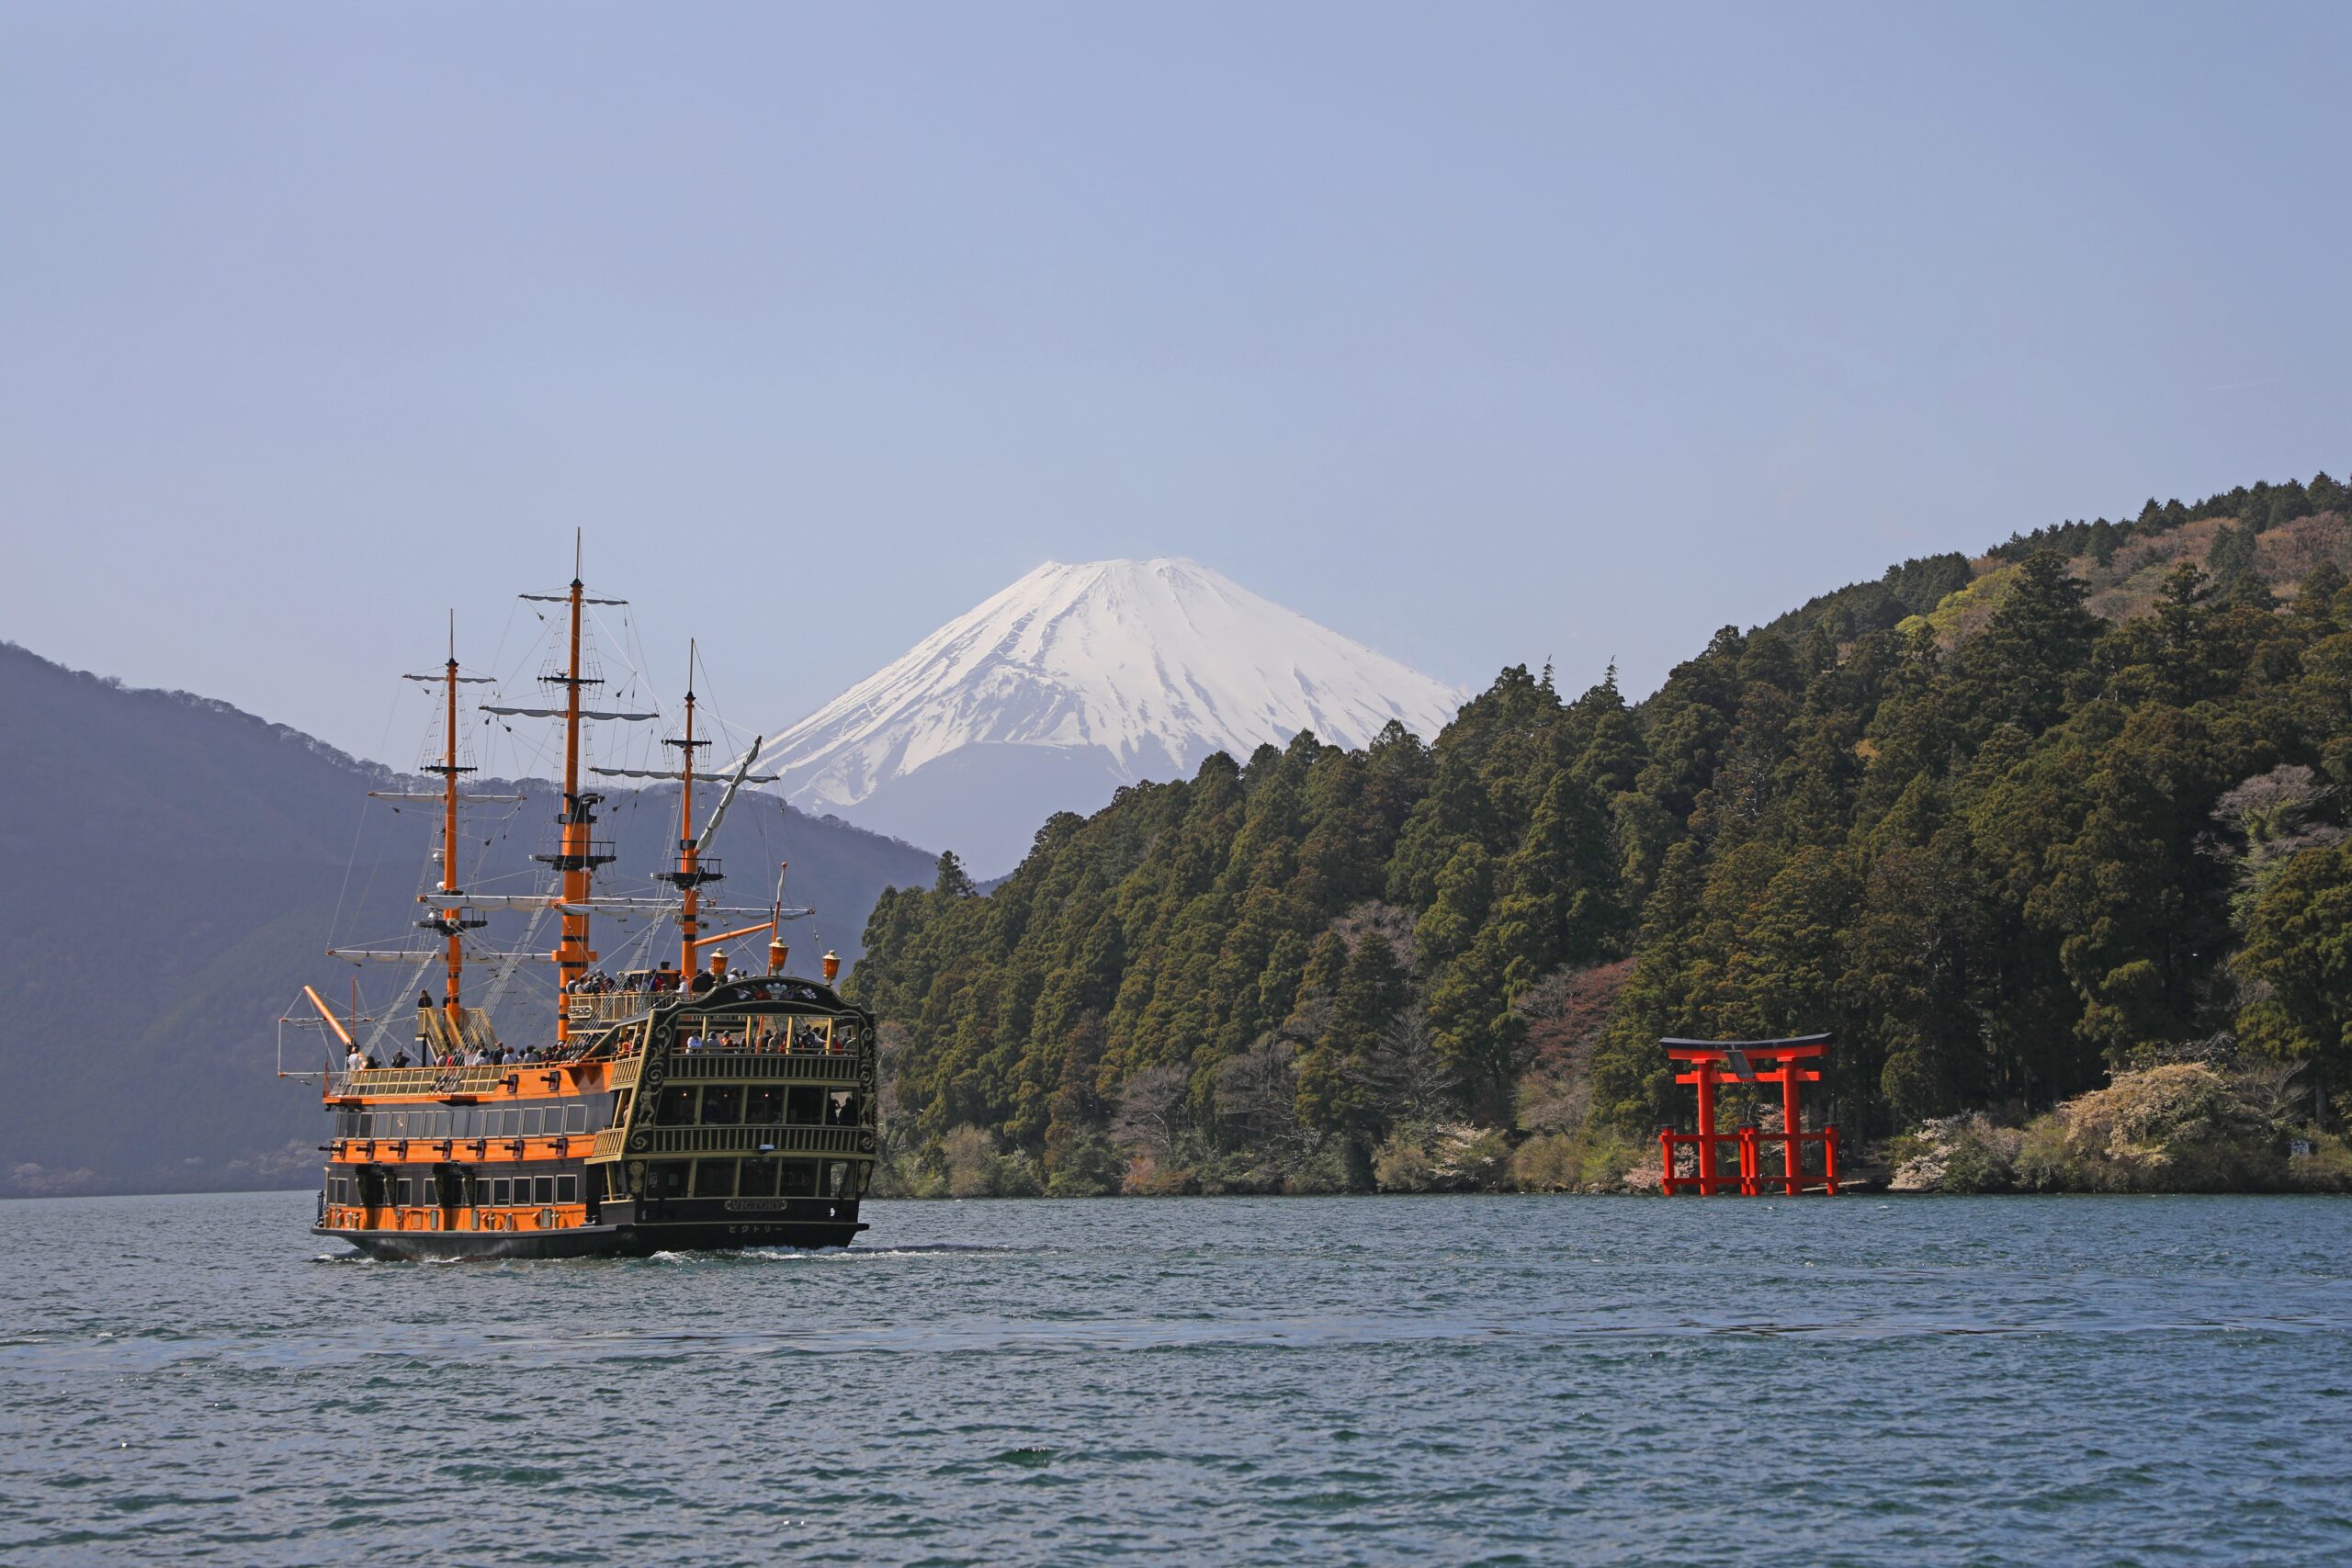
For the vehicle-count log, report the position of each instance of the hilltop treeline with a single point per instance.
(2000, 855)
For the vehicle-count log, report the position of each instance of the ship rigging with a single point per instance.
(695, 1106)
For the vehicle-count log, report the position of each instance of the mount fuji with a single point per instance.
(1072, 681)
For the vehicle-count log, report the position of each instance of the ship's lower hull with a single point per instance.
(620, 1240)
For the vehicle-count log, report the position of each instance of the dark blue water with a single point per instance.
(1533, 1380)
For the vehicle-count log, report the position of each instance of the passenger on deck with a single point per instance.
(355, 1060)
(400, 1058)
(694, 1041)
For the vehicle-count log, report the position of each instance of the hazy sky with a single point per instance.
(1481, 332)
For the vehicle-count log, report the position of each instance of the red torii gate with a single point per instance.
(1716, 1061)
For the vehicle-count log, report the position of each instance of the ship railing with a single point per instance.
(607, 1007)
(820, 1066)
(751, 1140)
(420, 1080)
(609, 1143)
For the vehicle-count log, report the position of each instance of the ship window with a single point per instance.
(715, 1179)
(677, 1107)
(763, 1107)
(535, 1121)
(667, 1179)
(543, 1189)
(759, 1179)
(799, 1179)
(567, 1189)
(575, 1118)
(722, 1107)
(838, 1114)
(837, 1175)
(500, 1191)
(805, 1107)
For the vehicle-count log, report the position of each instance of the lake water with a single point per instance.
(1394, 1380)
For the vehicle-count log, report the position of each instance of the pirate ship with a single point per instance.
(660, 1110)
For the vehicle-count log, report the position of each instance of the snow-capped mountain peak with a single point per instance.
(1101, 674)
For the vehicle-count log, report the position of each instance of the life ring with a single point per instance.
(493, 1222)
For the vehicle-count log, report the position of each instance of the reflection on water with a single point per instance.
(1217, 1379)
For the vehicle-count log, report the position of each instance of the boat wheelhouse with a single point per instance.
(667, 1109)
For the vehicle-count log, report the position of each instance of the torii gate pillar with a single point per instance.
(1710, 1062)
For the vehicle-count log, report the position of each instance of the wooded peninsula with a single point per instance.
(2052, 840)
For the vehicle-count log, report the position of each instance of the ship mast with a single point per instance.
(571, 954)
(449, 916)
(451, 921)
(689, 879)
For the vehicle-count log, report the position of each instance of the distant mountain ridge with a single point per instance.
(1073, 680)
(180, 866)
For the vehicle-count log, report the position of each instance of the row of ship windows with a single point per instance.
(729, 1105)
(476, 1120)
(665, 1178)
(753, 1178)
(423, 1191)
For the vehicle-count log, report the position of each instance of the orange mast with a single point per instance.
(452, 921)
(571, 954)
(692, 870)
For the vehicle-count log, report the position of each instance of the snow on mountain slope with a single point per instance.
(1073, 680)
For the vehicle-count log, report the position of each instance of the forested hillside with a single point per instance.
(2005, 825)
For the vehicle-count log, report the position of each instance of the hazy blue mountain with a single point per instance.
(176, 870)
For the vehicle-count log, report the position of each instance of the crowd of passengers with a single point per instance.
(359, 1061)
(762, 1038)
(655, 982)
(777, 1037)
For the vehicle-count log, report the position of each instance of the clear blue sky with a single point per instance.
(1481, 332)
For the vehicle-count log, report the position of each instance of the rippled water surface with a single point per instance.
(1531, 1380)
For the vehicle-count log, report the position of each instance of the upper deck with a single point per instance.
(758, 1027)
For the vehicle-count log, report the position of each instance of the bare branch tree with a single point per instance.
(1152, 1111)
